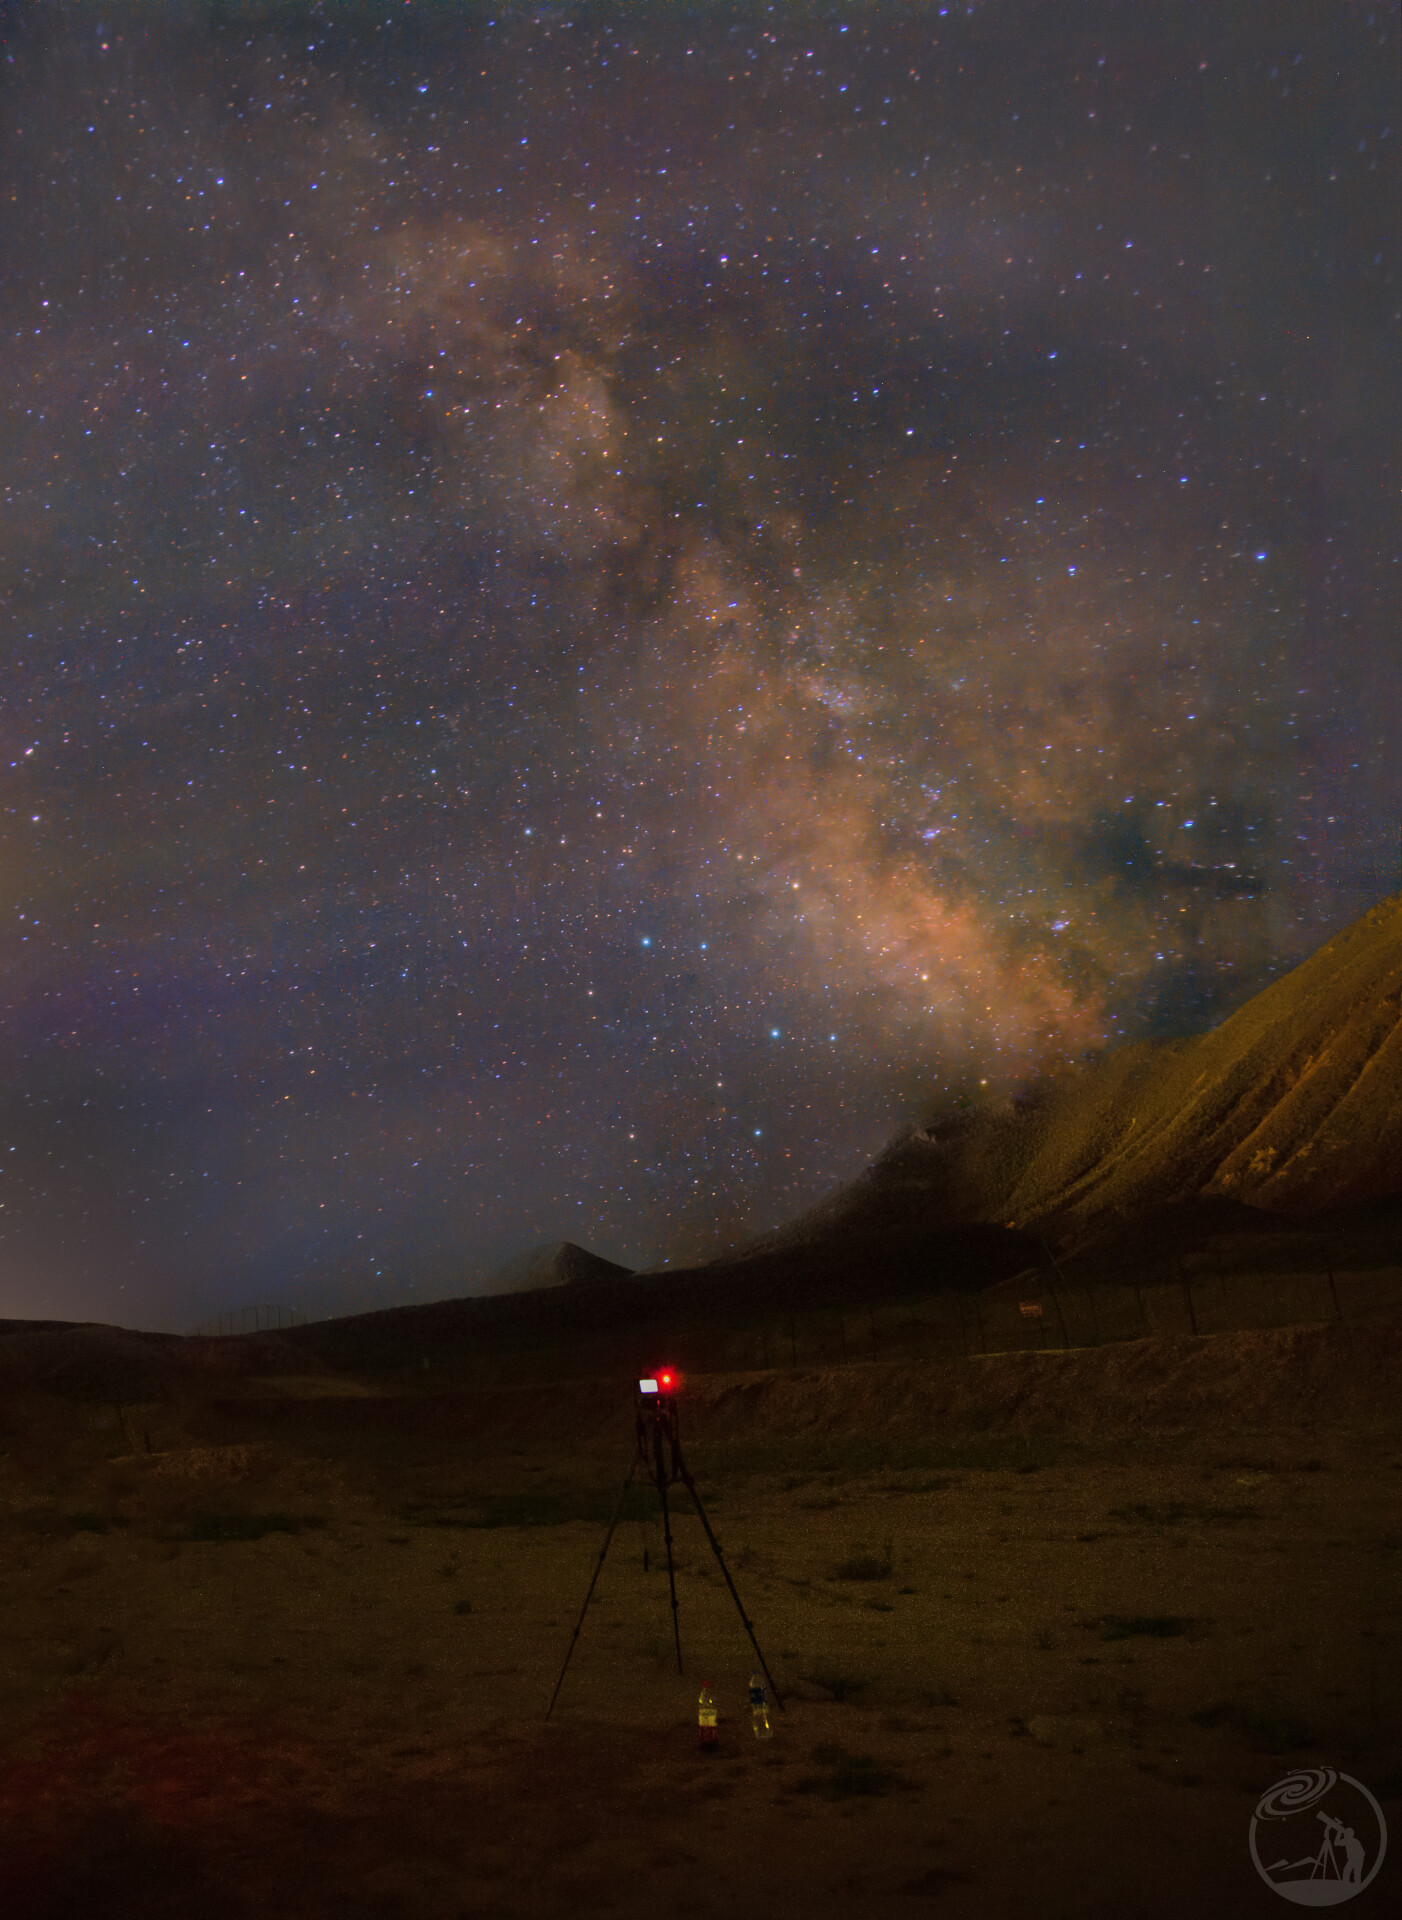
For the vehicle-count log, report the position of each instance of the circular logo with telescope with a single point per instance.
(1318, 1837)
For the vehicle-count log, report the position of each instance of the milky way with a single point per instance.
(601, 607)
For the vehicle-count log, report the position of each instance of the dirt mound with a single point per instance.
(89, 1361)
(200, 1463)
(1284, 1377)
(86, 1362)
(241, 1356)
(1292, 1376)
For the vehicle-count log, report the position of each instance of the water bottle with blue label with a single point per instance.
(759, 1708)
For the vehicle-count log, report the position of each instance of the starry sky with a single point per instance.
(602, 605)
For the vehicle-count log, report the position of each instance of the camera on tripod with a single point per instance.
(659, 1453)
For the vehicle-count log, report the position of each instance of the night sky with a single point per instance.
(603, 604)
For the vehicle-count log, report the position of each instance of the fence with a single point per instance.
(945, 1326)
(259, 1319)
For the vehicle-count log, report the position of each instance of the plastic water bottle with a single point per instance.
(759, 1708)
(706, 1720)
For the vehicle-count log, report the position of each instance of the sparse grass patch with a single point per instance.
(247, 1526)
(840, 1685)
(1270, 1725)
(794, 1463)
(852, 1775)
(933, 1882)
(48, 1522)
(932, 1483)
(864, 1562)
(1155, 1626)
(1277, 1728)
(1172, 1513)
(1217, 1715)
(534, 1507)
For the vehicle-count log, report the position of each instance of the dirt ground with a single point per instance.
(1046, 1628)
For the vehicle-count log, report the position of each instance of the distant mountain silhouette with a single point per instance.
(555, 1263)
(1291, 1107)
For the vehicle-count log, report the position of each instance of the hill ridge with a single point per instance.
(1292, 1106)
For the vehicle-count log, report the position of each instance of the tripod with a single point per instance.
(659, 1453)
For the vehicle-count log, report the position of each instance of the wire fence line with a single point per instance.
(266, 1317)
(948, 1326)
(558, 1333)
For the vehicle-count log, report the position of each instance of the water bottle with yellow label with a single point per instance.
(706, 1719)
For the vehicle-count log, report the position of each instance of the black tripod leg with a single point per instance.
(690, 1485)
(622, 1496)
(671, 1569)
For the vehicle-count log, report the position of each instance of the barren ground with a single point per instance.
(1046, 1626)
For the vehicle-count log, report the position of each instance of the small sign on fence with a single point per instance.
(1032, 1309)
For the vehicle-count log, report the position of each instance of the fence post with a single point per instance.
(1093, 1317)
(1188, 1295)
(1056, 1302)
(1333, 1287)
(1056, 1268)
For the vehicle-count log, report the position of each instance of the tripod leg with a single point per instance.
(599, 1567)
(671, 1569)
(690, 1485)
